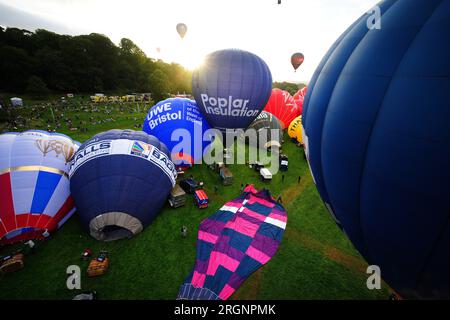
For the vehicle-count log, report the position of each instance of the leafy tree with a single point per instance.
(37, 87)
(83, 63)
(16, 66)
(292, 88)
(160, 85)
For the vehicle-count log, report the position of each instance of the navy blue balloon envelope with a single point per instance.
(377, 129)
(231, 88)
(180, 125)
(119, 180)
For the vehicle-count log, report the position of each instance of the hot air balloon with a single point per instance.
(378, 147)
(299, 98)
(300, 94)
(295, 130)
(231, 88)
(237, 240)
(297, 60)
(268, 128)
(34, 184)
(182, 116)
(282, 105)
(181, 29)
(120, 179)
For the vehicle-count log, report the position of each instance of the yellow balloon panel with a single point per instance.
(295, 129)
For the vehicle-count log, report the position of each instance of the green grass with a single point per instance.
(315, 259)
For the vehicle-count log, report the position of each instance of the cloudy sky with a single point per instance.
(272, 31)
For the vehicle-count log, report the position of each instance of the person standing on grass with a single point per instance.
(184, 231)
(299, 178)
(279, 200)
(31, 245)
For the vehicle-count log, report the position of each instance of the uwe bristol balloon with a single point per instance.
(179, 124)
(231, 88)
(377, 134)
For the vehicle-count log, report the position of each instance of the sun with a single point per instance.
(191, 60)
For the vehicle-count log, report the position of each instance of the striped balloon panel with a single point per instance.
(34, 185)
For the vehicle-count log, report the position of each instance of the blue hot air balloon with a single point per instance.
(377, 132)
(34, 184)
(120, 179)
(180, 125)
(231, 88)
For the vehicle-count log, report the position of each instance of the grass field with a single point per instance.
(315, 259)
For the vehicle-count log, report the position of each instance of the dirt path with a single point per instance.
(289, 194)
(338, 256)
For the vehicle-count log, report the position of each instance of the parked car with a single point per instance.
(189, 185)
(201, 198)
(266, 175)
(284, 162)
(258, 165)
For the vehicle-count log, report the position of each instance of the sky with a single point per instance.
(273, 32)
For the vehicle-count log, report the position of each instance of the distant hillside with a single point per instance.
(43, 61)
(290, 87)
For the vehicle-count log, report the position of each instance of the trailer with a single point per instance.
(227, 176)
(177, 197)
(265, 174)
(201, 198)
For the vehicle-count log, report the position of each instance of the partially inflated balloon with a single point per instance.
(231, 88)
(379, 148)
(282, 105)
(297, 60)
(299, 98)
(120, 179)
(268, 129)
(300, 94)
(181, 29)
(180, 125)
(34, 184)
(295, 129)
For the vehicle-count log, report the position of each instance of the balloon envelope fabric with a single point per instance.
(233, 243)
(269, 131)
(295, 129)
(231, 88)
(282, 105)
(181, 118)
(377, 134)
(34, 184)
(120, 179)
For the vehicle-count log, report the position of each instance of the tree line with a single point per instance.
(42, 61)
